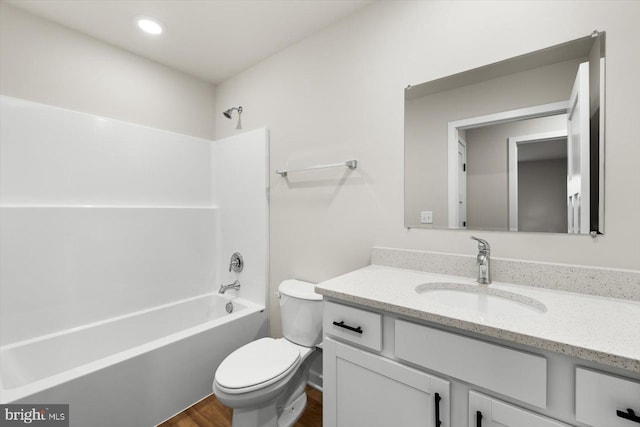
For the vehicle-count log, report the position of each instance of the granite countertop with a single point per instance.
(598, 329)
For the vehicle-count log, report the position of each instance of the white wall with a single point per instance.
(339, 95)
(102, 217)
(241, 193)
(45, 62)
(52, 155)
(98, 218)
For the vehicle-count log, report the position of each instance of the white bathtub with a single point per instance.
(133, 370)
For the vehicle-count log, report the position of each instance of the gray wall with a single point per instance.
(339, 94)
(487, 169)
(426, 133)
(542, 196)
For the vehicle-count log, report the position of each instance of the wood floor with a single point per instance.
(211, 413)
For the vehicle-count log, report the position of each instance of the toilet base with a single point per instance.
(267, 416)
(293, 411)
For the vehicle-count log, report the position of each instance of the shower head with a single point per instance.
(227, 114)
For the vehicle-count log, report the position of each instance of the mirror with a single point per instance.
(513, 146)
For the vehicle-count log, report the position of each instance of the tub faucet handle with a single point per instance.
(237, 263)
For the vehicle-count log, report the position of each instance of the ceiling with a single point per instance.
(210, 39)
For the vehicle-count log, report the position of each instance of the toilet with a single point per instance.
(264, 381)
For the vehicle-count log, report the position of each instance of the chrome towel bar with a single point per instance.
(351, 164)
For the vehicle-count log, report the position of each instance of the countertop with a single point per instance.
(598, 329)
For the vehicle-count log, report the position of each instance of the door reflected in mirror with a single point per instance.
(513, 146)
(538, 180)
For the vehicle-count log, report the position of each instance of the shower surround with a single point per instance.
(100, 219)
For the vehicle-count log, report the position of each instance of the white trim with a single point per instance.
(601, 148)
(578, 218)
(513, 143)
(462, 221)
(489, 119)
(452, 171)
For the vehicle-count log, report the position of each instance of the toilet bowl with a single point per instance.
(264, 381)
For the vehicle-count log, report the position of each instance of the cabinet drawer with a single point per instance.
(599, 396)
(354, 325)
(485, 411)
(514, 373)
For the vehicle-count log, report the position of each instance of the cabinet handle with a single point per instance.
(341, 324)
(629, 415)
(478, 419)
(437, 399)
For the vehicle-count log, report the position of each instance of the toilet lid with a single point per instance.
(299, 289)
(257, 364)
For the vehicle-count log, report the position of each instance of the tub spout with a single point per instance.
(224, 288)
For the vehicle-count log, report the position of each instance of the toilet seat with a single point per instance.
(257, 365)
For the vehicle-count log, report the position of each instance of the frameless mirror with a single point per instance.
(512, 146)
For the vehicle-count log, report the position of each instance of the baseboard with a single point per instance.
(315, 381)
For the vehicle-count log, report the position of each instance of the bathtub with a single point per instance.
(133, 370)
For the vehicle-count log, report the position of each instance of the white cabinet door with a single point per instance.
(485, 411)
(365, 390)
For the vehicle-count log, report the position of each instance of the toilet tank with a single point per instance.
(301, 312)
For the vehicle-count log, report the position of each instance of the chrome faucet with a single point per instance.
(224, 288)
(237, 262)
(484, 261)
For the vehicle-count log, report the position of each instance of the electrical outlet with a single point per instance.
(426, 217)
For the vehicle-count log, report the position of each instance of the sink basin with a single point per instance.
(480, 298)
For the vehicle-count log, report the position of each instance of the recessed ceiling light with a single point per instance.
(149, 25)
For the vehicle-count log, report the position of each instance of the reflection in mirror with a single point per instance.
(513, 146)
(538, 177)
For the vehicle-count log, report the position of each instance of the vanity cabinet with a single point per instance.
(381, 370)
(364, 389)
(485, 411)
(513, 373)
